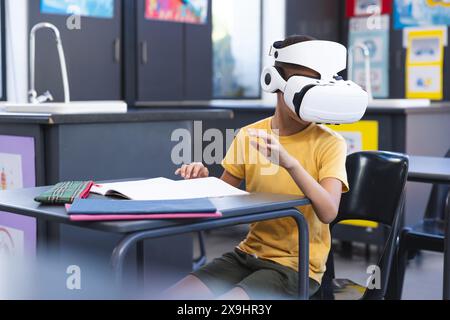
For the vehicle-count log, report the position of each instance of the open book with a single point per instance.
(166, 189)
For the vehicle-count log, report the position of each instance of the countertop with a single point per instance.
(188, 110)
(259, 105)
(141, 115)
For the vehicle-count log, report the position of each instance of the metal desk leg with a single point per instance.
(140, 263)
(48, 238)
(303, 256)
(122, 248)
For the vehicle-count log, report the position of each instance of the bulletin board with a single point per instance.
(17, 170)
(17, 236)
(357, 8)
(376, 39)
(360, 136)
(85, 8)
(188, 11)
(409, 13)
(425, 62)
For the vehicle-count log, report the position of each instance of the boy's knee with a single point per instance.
(189, 288)
(235, 294)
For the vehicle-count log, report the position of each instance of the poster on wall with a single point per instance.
(17, 170)
(368, 7)
(360, 136)
(10, 171)
(85, 8)
(425, 62)
(412, 13)
(17, 236)
(184, 11)
(376, 39)
(17, 162)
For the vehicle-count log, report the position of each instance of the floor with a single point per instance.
(423, 280)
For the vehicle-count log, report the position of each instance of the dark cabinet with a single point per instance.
(174, 59)
(160, 58)
(199, 60)
(321, 19)
(161, 61)
(93, 55)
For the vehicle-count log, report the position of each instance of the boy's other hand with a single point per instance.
(193, 171)
(272, 149)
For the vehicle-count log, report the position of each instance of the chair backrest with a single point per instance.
(437, 202)
(377, 183)
(376, 180)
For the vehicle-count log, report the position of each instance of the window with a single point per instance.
(2, 53)
(236, 49)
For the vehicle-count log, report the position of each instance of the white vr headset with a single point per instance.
(330, 99)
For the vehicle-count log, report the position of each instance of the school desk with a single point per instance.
(111, 146)
(434, 170)
(236, 210)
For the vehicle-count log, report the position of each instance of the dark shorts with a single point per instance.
(260, 279)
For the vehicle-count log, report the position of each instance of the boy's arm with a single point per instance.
(324, 196)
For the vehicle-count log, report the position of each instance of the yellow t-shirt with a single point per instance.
(322, 152)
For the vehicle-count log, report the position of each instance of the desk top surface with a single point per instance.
(22, 202)
(429, 169)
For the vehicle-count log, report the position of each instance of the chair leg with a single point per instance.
(346, 249)
(402, 261)
(367, 252)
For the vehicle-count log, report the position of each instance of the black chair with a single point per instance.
(377, 182)
(429, 234)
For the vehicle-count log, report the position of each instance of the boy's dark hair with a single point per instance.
(289, 41)
(294, 39)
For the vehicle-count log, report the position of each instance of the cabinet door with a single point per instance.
(160, 58)
(199, 60)
(319, 18)
(92, 53)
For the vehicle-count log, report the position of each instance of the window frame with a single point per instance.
(261, 62)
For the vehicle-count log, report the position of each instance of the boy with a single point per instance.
(311, 161)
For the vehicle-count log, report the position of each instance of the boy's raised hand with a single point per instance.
(271, 148)
(193, 171)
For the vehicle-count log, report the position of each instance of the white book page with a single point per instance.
(165, 189)
(206, 188)
(128, 188)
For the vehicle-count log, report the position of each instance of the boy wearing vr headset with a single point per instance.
(311, 162)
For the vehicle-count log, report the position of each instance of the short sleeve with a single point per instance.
(234, 162)
(332, 160)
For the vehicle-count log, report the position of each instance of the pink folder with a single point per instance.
(113, 217)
